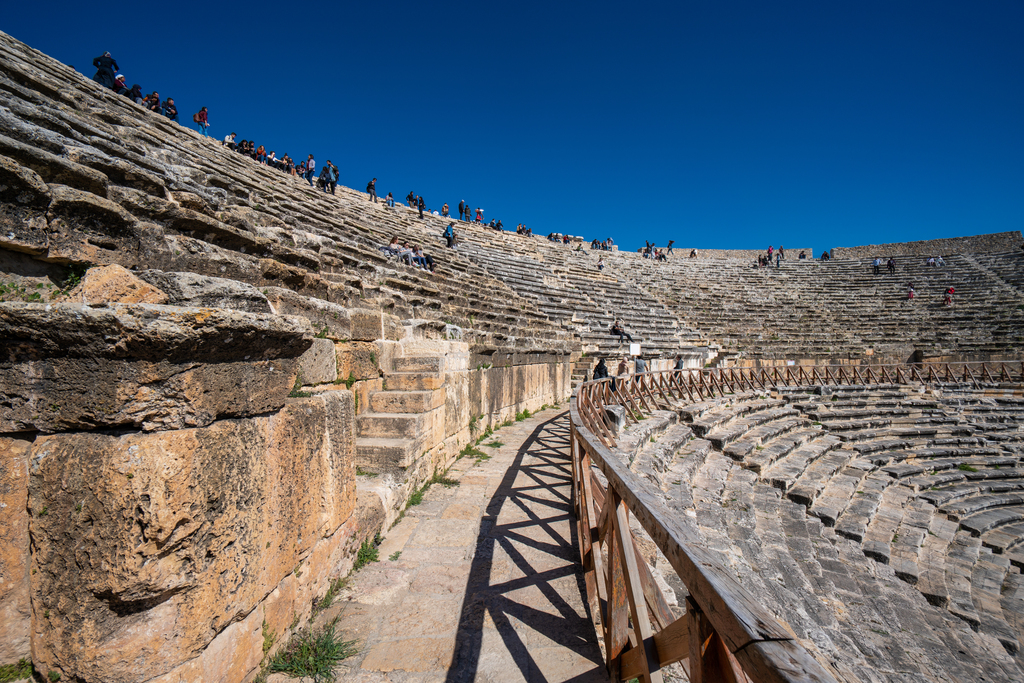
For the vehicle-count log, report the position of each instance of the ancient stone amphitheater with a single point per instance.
(215, 386)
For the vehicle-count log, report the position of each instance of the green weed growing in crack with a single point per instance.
(313, 653)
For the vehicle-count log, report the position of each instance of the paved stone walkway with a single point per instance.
(486, 586)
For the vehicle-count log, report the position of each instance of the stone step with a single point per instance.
(389, 425)
(380, 455)
(434, 364)
(413, 381)
(406, 401)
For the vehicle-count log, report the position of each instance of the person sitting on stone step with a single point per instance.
(405, 253)
(120, 87)
(601, 371)
(940, 262)
(424, 260)
(229, 141)
(390, 200)
(825, 256)
(261, 155)
(802, 256)
(169, 110)
(135, 95)
(618, 329)
(600, 266)
(693, 253)
(393, 248)
(498, 226)
(444, 210)
(271, 159)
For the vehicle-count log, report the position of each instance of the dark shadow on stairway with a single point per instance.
(517, 527)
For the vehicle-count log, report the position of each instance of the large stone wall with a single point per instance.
(994, 242)
(743, 254)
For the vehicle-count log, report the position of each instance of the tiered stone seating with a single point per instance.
(188, 204)
(885, 526)
(810, 309)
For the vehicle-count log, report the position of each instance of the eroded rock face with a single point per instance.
(70, 367)
(114, 284)
(15, 613)
(190, 289)
(149, 545)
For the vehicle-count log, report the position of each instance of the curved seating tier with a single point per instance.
(883, 523)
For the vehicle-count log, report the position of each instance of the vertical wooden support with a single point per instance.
(650, 665)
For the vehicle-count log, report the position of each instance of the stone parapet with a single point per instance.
(993, 242)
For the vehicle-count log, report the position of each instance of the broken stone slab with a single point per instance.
(15, 611)
(87, 228)
(24, 198)
(150, 367)
(329, 319)
(147, 546)
(191, 289)
(358, 360)
(319, 364)
(114, 284)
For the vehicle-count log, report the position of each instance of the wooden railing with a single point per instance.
(724, 633)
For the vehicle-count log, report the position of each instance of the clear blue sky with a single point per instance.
(717, 124)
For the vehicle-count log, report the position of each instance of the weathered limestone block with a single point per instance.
(177, 253)
(15, 611)
(118, 170)
(114, 284)
(24, 198)
(318, 365)
(190, 289)
(192, 201)
(370, 325)
(150, 545)
(146, 366)
(55, 169)
(87, 228)
(330, 319)
(358, 360)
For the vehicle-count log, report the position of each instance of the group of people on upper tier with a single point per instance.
(107, 76)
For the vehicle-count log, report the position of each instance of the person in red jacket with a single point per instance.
(201, 120)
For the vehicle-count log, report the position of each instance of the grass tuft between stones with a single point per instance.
(16, 672)
(313, 653)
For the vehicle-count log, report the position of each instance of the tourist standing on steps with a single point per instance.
(679, 362)
(449, 235)
(462, 209)
(641, 365)
(444, 210)
(310, 168)
(420, 204)
(949, 297)
(877, 266)
(371, 189)
(200, 119)
(105, 69)
(332, 176)
(891, 265)
(410, 199)
(910, 291)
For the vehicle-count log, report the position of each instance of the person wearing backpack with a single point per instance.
(449, 235)
(200, 118)
(332, 176)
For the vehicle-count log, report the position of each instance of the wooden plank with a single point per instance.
(651, 671)
(672, 643)
(618, 606)
(660, 612)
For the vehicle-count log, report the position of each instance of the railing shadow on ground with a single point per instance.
(525, 614)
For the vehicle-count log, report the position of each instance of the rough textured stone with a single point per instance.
(148, 366)
(323, 315)
(191, 289)
(373, 325)
(87, 228)
(152, 544)
(15, 613)
(358, 359)
(318, 365)
(24, 198)
(114, 284)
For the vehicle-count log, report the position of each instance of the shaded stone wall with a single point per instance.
(994, 242)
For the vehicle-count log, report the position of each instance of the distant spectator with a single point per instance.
(802, 256)
(169, 110)
(693, 253)
(444, 210)
(105, 69)
(422, 260)
(910, 291)
(940, 262)
(390, 200)
(479, 215)
(300, 169)
(420, 204)
(778, 259)
(618, 329)
(669, 250)
(410, 199)
(641, 365)
(135, 94)
(462, 209)
(498, 226)
(601, 371)
(310, 169)
(679, 362)
(152, 102)
(891, 265)
(120, 87)
(371, 189)
(782, 252)
(229, 141)
(600, 263)
(272, 159)
(261, 154)
(332, 176)
(594, 244)
(405, 253)
(930, 261)
(393, 248)
(608, 242)
(949, 296)
(660, 255)
(449, 235)
(825, 256)
(201, 120)
(565, 239)
(876, 266)
(771, 249)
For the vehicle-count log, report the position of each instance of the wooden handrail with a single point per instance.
(725, 634)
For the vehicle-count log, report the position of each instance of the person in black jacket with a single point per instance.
(601, 371)
(371, 189)
(105, 68)
(419, 202)
(135, 94)
(169, 110)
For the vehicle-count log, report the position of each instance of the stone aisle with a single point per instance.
(486, 586)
